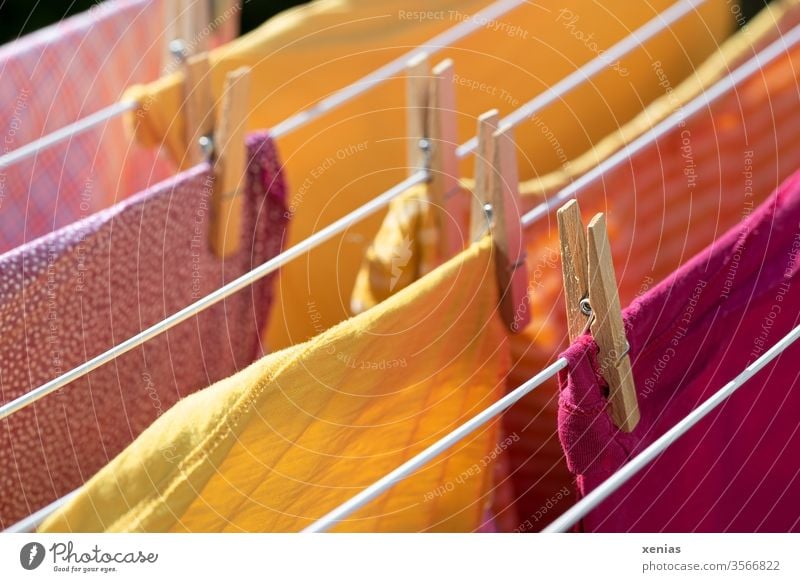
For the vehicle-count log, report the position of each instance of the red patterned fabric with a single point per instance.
(738, 469)
(55, 77)
(79, 291)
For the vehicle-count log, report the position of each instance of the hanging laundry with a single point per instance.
(540, 474)
(665, 205)
(75, 293)
(56, 76)
(349, 155)
(273, 448)
(738, 469)
(405, 249)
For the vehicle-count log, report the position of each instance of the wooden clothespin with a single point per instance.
(230, 161)
(592, 298)
(198, 105)
(510, 254)
(417, 87)
(228, 14)
(228, 147)
(195, 23)
(171, 33)
(484, 174)
(495, 201)
(187, 28)
(432, 127)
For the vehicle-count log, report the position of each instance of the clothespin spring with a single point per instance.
(486, 223)
(207, 147)
(424, 145)
(586, 309)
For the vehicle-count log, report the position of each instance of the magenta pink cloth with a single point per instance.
(57, 76)
(73, 294)
(738, 470)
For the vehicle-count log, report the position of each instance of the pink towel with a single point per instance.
(61, 74)
(738, 470)
(73, 294)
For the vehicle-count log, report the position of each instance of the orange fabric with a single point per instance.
(670, 201)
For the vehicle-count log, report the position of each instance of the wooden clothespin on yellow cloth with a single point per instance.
(199, 19)
(226, 135)
(590, 289)
(495, 204)
(479, 221)
(431, 124)
(189, 23)
(227, 16)
(198, 104)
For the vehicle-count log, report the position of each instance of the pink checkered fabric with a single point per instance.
(55, 77)
(73, 294)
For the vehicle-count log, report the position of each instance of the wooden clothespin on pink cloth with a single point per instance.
(222, 138)
(590, 288)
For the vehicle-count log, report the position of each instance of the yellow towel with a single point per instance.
(286, 440)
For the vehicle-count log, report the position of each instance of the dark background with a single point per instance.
(18, 17)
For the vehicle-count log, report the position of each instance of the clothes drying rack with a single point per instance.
(525, 112)
(582, 508)
(622, 48)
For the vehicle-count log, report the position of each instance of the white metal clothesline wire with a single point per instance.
(434, 45)
(645, 32)
(65, 133)
(397, 66)
(33, 521)
(212, 298)
(593, 499)
(720, 88)
(37, 518)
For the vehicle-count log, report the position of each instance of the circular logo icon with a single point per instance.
(31, 555)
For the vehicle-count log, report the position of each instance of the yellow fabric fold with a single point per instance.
(276, 446)
(347, 157)
(405, 250)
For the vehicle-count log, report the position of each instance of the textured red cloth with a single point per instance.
(738, 469)
(73, 294)
(56, 76)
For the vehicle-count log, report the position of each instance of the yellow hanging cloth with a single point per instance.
(276, 446)
(347, 157)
